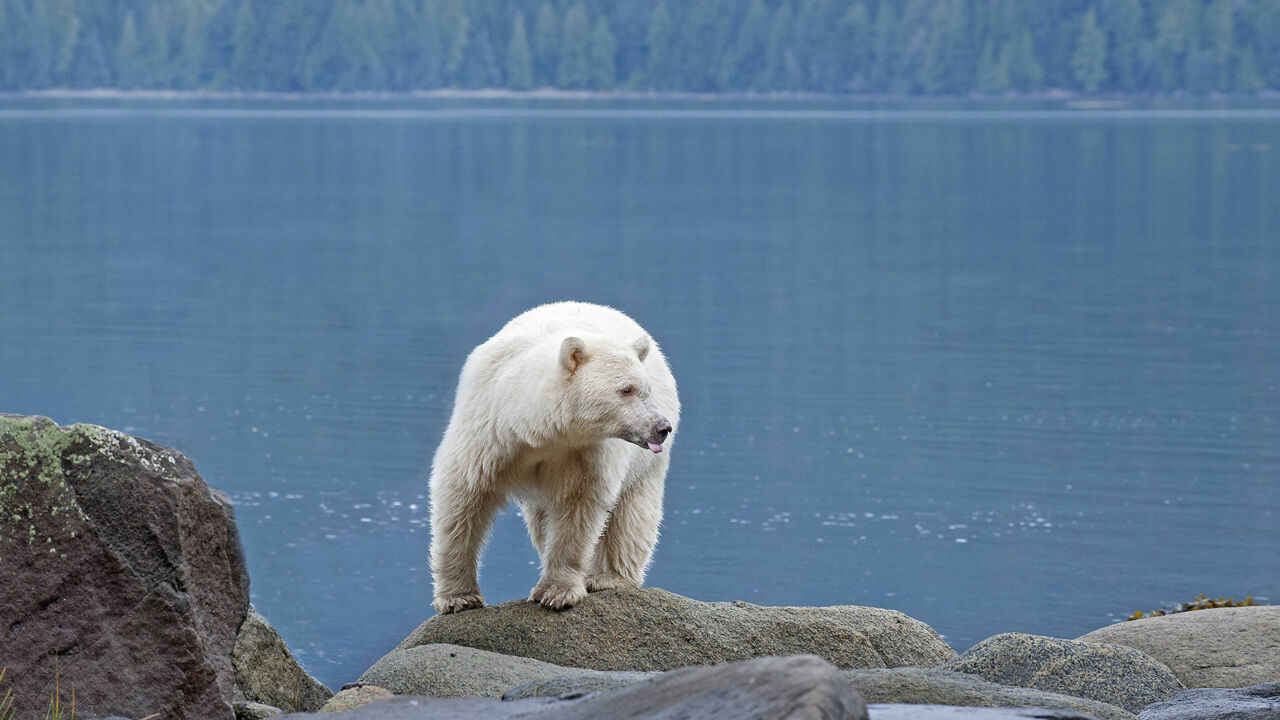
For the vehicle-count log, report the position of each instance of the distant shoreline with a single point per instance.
(1074, 99)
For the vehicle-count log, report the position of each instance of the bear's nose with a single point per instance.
(663, 429)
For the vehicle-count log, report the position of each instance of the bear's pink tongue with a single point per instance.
(655, 447)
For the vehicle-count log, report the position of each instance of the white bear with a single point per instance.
(566, 409)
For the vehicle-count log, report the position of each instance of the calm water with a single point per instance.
(1004, 371)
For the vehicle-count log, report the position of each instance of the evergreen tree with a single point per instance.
(546, 45)
(190, 57)
(885, 65)
(128, 55)
(574, 70)
(743, 61)
(1248, 79)
(782, 70)
(1174, 40)
(1025, 72)
(602, 57)
(1122, 20)
(155, 48)
(1220, 30)
(945, 53)
(243, 40)
(519, 62)
(993, 72)
(1090, 59)
(854, 36)
(659, 72)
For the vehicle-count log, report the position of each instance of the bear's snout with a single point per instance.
(658, 435)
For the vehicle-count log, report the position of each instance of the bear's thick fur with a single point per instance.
(566, 409)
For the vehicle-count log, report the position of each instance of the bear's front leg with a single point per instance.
(624, 551)
(462, 511)
(573, 526)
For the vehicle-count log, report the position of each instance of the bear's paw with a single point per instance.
(558, 596)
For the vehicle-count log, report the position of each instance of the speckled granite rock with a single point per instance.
(934, 686)
(267, 672)
(1111, 673)
(1222, 647)
(247, 710)
(352, 697)
(446, 671)
(1258, 702)
(652, 629)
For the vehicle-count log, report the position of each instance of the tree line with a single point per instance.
(828, 46)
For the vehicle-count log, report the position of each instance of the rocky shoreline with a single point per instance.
(122, 569)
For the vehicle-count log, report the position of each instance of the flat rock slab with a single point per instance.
(1216, 648)
(447, 671)
(1258, 702)
(762, 689)
(652, 629)
(132, 579)
(947, 712)
(1107, 672)
(935, 686)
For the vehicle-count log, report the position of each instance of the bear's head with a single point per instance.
(608, 391)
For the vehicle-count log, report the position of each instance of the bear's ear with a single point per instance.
(573, 352)
(641, 346)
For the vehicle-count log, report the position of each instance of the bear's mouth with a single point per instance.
(655, 447)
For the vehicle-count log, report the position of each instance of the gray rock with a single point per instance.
(1107, 672)
(577, 685)
(1259, 702)
(249, 710)
(1220, 647)
(267, 672)
(935, 686)
(446, 671)
(948, 712)
(652, 629)
(763, 689)
(352, 697)
(132, 577)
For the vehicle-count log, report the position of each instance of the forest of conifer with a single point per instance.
(825, 46)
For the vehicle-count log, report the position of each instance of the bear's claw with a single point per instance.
(558, 597)
(458, 603)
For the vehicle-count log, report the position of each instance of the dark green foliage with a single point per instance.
(830, 46)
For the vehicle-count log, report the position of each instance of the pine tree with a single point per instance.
(128, 55)
(993, 72)
(782, 70)
(854, 40)
(602, 56)
(743, 61)
(155, 49)
(1025, 72)
(1248, 79)
(1174, 40)
(659, 73)
(546, 45)
(574, 70)
(885, 64)
(191, 56)
(1090, 59)
(519, 62)
(1220, 30)
(243, 39)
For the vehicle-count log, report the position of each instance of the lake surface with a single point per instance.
(1008, 367)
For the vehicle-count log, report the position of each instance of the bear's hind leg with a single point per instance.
(624, 551)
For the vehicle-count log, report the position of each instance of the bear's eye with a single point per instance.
(627, 391)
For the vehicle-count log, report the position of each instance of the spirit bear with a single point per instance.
(566, 409)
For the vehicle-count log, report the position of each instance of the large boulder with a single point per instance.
(935, 686)
(652, 629)
(120, 568)
(267, 672)
(121, 574)
(1258, 702)
(761, 689)
(446, 671)
(1107, 672)
(1221, 647)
